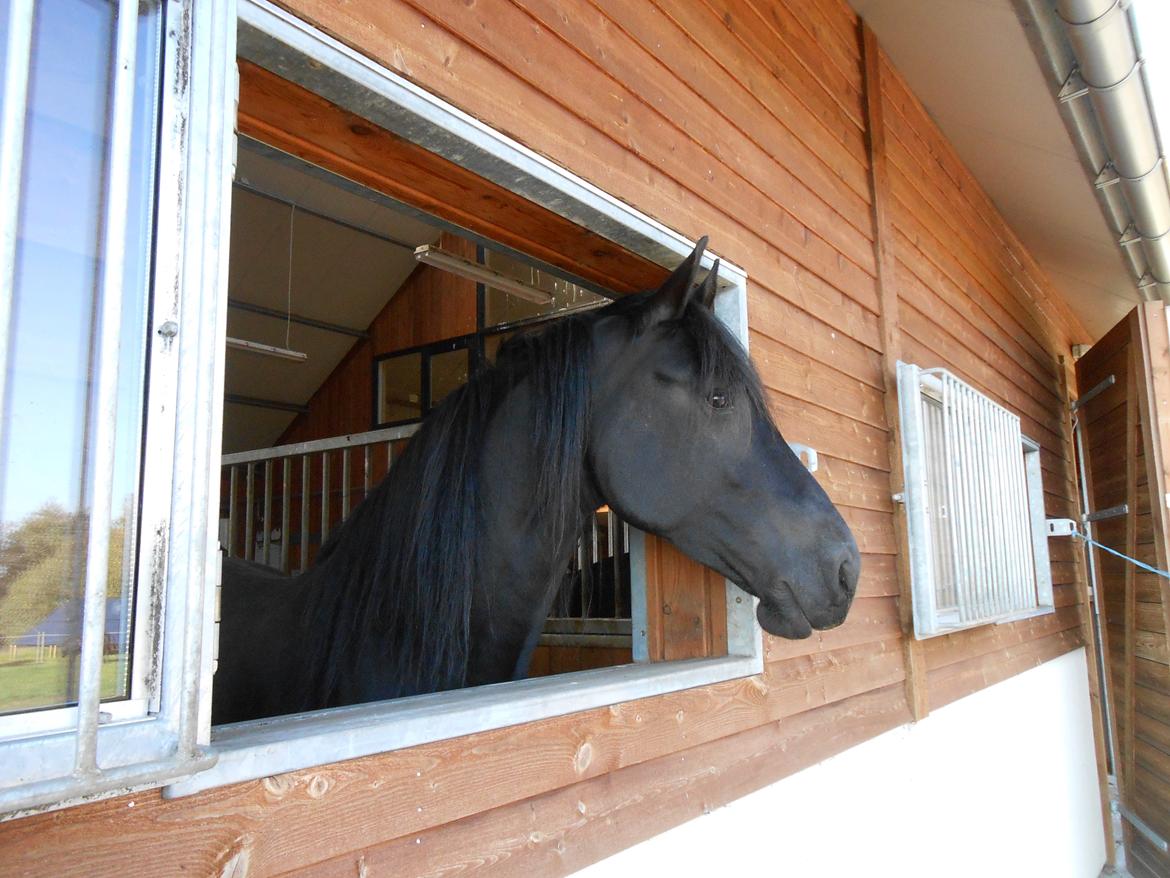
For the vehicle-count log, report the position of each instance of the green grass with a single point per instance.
(25, 684)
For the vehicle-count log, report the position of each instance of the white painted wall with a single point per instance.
(1003, 783)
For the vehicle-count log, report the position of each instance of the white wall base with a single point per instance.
(1003, 782)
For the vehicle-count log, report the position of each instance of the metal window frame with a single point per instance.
(165, 739)
(928, 620)
(279, 41)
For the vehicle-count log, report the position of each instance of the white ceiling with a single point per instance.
(974, 69)
(340, 274)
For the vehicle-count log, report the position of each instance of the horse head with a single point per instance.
(681, 444)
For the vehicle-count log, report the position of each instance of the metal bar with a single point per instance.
(324, 496)
(232, 488)
(611, 641)
(571, 625)
(285, 510)
(249, 502)
(296, 449)
(345, 475)
(367, 454)
(1144, 828)
(1111, 512)
(1092, 392)
(266, 540)
(615, 557)
(299, 319)
(257, 402)
(18, 61)
(105, 402)
(306, 498)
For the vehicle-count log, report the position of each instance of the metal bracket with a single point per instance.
(1074, 87)
(1108, 176)
(1092, 392)
(1061, 527)
(1144, 828)
(1129, 237)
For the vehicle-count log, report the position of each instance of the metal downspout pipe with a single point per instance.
(1109, 72)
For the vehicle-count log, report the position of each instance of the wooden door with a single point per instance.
(1124, 417)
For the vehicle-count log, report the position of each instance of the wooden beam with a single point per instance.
(1153, 368)
(916, 682)
(1089, 625)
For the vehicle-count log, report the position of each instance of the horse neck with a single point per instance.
(523, 555)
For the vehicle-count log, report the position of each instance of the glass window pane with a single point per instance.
(448, 371)
(501, 307)
(400, 388)
(46, 477)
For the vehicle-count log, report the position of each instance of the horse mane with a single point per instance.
(399, 575)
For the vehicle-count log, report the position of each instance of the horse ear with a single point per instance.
(708, 289)
(672, 297)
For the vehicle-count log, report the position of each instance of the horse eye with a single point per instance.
(719, 399)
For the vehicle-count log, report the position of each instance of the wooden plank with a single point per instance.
(840, 143)
(890, 317)
(870, 620)
(647, 79)
(686, 605)
(742, 107)
(566, 830)
(952, 682)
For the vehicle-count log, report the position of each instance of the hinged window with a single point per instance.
(974, 506)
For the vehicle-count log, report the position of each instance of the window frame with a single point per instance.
(914, 395)
(160, 733)
(297, 51)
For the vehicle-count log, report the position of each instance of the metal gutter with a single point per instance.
(1093, 60)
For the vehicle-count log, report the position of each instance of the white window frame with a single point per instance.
(996, 545)
(99, 748)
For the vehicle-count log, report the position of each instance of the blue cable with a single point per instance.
(1087, 539)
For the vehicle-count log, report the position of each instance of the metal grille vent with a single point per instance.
(974, 503)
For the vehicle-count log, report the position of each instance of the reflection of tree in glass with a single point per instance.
(39, 557)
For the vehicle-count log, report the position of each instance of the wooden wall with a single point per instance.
(750, 122)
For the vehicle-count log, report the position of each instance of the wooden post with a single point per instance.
(916, 684)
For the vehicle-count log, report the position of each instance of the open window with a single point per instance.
(383, 170)
(974, 505)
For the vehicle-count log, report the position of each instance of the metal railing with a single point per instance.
(316, 484)
(280, 504)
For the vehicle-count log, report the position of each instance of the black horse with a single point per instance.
(444, 575)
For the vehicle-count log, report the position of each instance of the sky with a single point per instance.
(1153, 21)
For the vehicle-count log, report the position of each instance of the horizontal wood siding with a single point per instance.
(745, 121)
